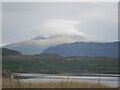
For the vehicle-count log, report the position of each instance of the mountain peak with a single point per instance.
(39, 38)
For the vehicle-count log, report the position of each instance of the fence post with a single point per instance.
(68, 77)
(99, 80)
(11, 79)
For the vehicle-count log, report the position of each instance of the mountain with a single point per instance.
(39, 44)
(39, 38)
(90, 49)
(8, 52)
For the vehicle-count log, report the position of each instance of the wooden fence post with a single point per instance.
(99, 80)
(11, 79)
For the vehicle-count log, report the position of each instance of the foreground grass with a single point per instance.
(6, 83)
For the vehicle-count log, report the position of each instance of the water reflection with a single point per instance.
(109, 81)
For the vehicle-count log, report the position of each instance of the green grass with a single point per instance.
(32, 62)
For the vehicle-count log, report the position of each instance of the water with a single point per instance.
(108, 81)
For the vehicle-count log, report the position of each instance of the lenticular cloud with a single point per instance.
(57, 27)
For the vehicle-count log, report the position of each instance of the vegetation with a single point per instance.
(56, 62)
(8, 52)
(6, 83)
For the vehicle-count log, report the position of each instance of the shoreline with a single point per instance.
(65, 72)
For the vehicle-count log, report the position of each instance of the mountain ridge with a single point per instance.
(9, 52)
(92, 49)
(37, 46)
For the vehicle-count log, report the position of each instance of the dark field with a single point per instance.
(56, 62)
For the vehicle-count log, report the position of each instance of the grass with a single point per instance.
(32, 62)
(6, 83)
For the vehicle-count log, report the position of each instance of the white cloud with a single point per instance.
(2, 44)
(56, 27)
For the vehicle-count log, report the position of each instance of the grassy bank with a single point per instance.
(7, 83)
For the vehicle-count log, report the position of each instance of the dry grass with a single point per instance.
(6, 83)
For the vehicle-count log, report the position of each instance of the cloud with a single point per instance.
(101, 13)
(97, 19)
(58, 27)
(2, 44)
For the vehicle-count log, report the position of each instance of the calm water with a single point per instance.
(109, 81)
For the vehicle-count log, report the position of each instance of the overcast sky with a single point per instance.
(23, 21)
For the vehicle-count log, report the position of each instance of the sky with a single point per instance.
(23, 21)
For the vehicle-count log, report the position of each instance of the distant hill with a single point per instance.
(90, 49)
(38, 44)
(52, 56)
(8, 52)
(56, 62)
(46, 61)
(39, 38)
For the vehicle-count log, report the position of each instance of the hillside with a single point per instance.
(8, 52)
(38, 44)
(90, 49)
(55, 62)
